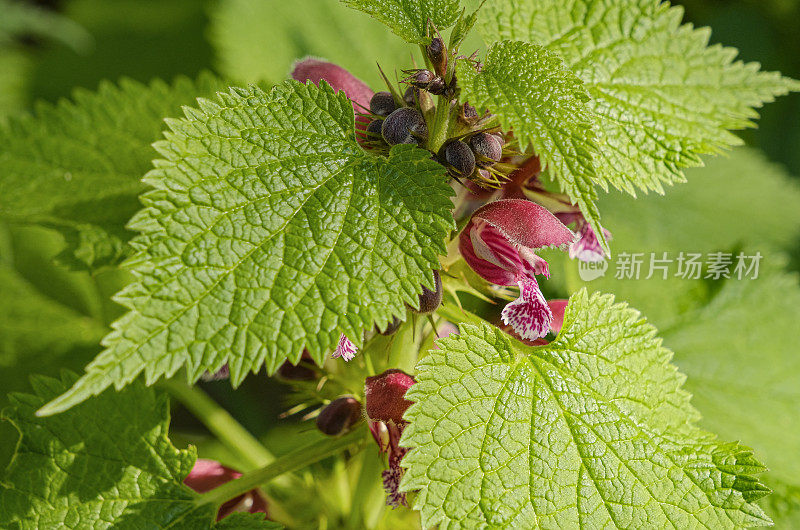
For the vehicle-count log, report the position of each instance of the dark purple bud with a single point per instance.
(302, 371)
(374, 130)
(459, 159)
(469, 111)
(411, 96)
(437, 86)
(384, 396)
(382, 104)
(437, 53)
(404, 126)
(391, 327)
(422, 78)
(429, 300)
(487, 149)
(339, 416)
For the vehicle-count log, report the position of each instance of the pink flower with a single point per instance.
(587, 248)
(209, 474)
(315, 70)
(499, 243)
(345, 349)
(385, 404)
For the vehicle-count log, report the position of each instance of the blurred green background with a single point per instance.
(61, 45)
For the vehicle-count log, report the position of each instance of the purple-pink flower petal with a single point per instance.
(525, 224)
(209, 474)
(529, 315)
(501, 238)
(587, 248)
(345, 349)
(557, 307)
(315, 70)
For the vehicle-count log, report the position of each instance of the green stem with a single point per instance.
(220, 423)
(286, 464)
(441, 122)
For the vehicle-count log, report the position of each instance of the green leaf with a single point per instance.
(408, 19)
(662, 96)
(270, 231)
(462, 28)
(535, 95)
(259, 41)
(783, 505)
(740, 353)
(32, 323)
(107, 463)
(15, 65)
(76, 166)
(591, 431)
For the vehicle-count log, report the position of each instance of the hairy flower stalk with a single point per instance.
(209, 474)
(385, 404)
(500, 243)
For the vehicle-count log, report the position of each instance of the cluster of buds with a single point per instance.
(385, 404)
(501, 238)
(475, 156)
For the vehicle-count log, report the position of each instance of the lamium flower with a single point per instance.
(345, 349)
(586, 247)
(357, 91)
(385, 404)
(500, 243)
(209, 474)
(221, 374)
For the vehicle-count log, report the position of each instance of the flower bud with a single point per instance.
(404, 126)
(487, 148)
(411, 96)
(423, 78)
(391, 327)
(429, 300)
(382, 104)
(437, 53)
(374, 130)
(437, 87)
(384, 396)
(339, 416)
(299, 372)
(458, 158)
(209, 474)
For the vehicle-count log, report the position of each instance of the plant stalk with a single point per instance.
(229, 431)
(292, 462)
(441, 122)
